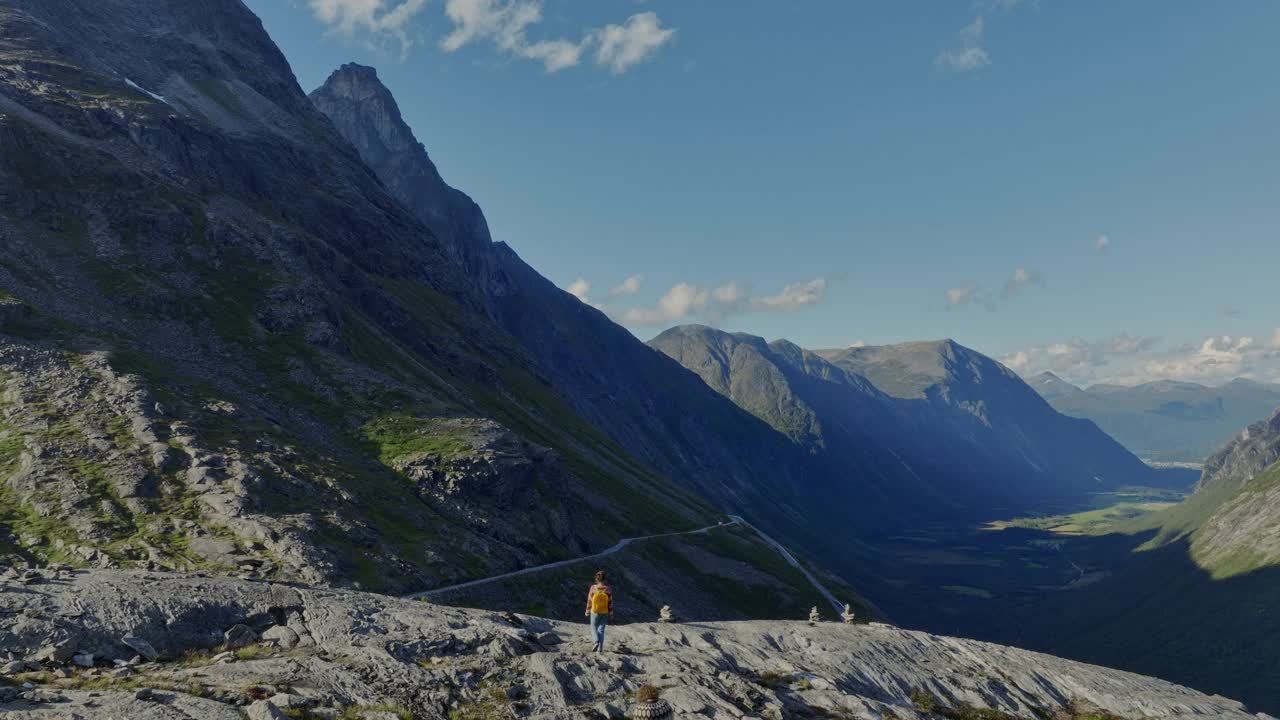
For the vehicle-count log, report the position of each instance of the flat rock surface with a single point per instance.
(376, 652)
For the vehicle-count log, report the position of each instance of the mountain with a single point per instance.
(1164, 420)
(318, 654)
(641, 399)
(1196, 604)
(225, 346)
(974, 437)
(972, 406)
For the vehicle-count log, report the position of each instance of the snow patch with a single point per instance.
(145, 91)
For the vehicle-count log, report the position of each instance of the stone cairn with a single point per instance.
(665, 615)
(814, 616)
(848, 615)
(649, 706)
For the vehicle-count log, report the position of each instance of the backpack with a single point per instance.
(600, 600)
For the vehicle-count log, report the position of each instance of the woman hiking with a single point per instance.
(599, 608)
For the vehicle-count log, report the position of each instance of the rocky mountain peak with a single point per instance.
(354, 93)
(366, 113)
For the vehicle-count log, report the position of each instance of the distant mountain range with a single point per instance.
(1165, 420)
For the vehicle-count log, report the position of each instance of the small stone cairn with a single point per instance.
(649, 705)
(665, 615)
(815, 617)
(848, 616)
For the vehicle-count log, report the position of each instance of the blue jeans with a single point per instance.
(598, 623)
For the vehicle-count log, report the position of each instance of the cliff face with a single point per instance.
(365, 113)
(317, 653)
(1243, 531)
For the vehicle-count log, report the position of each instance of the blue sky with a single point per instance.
(1087, 186)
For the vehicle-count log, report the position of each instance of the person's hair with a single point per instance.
(600, 576)
(648, 694)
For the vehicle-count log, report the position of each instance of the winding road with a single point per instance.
(733, 520)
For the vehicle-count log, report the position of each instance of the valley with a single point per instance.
(287, 430)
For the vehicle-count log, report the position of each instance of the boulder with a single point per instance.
(57, 652)
(282, 636)
(140, 646)
(239, 636)
(290, 701)
(264, 710)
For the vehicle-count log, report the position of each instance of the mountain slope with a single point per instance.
(643, 400)
(1197, 604)
(224, 346)
(970, 432)
(1164, 420)
(973, 406)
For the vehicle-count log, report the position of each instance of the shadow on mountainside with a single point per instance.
(1166, 616)
(1090, 598)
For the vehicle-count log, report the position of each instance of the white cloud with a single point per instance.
(1021, 280)
(636, 40)
(581, 289)
(969, 54)
(506, 23)
(555, 55)
(375, 17)
(680, 302)
(957, 296)
(1129, 359)
(685, 301)
(630, 286)
(1101, 243)
(732, 293)
(858, 344)
(793, 296)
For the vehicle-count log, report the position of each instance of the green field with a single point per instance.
(1109, 512)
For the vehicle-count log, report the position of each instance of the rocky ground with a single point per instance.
(114, 644)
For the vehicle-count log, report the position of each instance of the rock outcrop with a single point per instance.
(365, 654)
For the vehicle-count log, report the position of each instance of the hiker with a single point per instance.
(599, 608)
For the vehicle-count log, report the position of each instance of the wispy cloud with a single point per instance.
(377, 19)
(681, 301)
(581, 289)
(630, 286)
(958, 296)
(506, 23)
(685, 301)
(636, 40)
(968, 53)
(1102, 243)
(1021, 280)
(793, 296)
